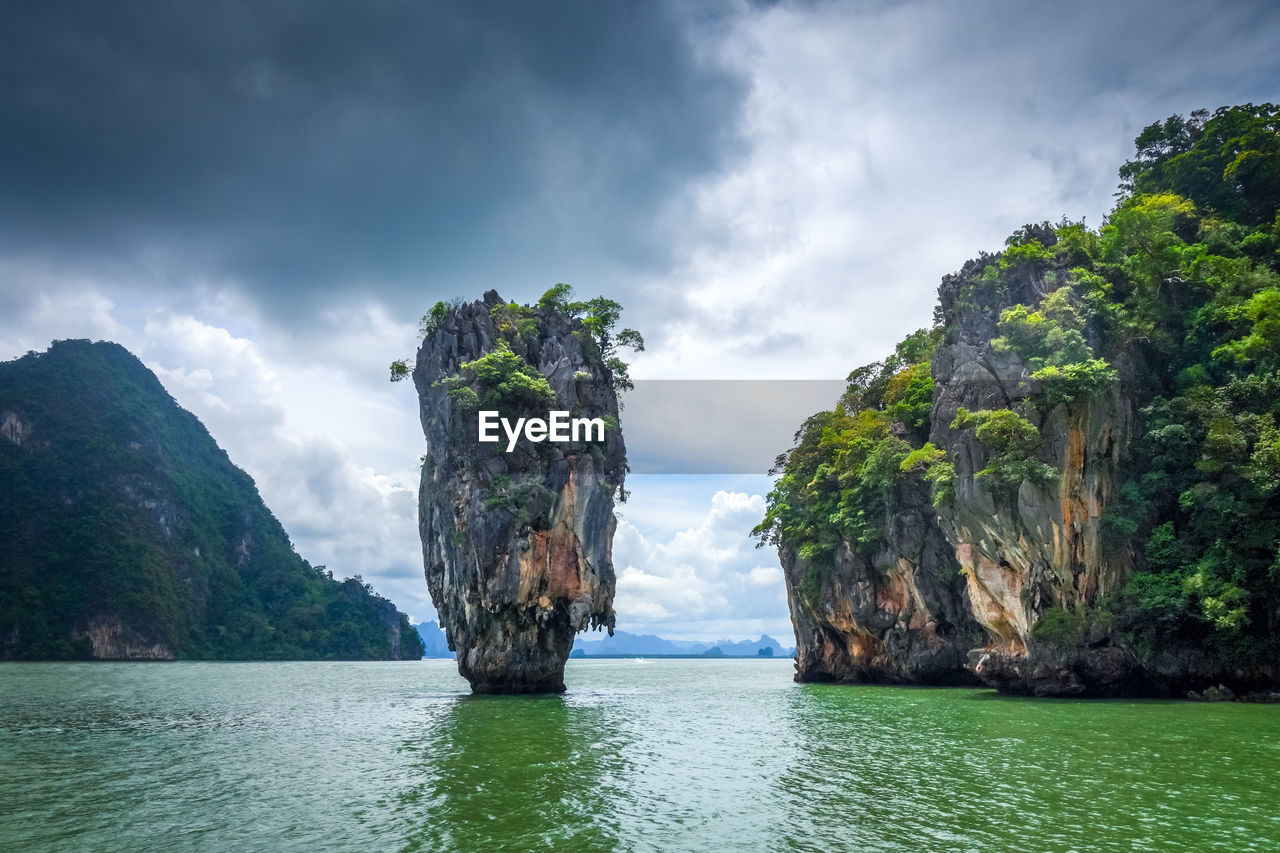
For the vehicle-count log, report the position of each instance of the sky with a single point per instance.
(259, 200)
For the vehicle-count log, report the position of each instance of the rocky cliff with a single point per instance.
(1095, 420)
(127, 534)
(1029, 546)
(516, 545)
(1046, 404)
(898, 615)
(873, 585)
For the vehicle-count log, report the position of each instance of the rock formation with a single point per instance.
(516, 545)
(1095, 416)
(900, 616)
(1041, 546)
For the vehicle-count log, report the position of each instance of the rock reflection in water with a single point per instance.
(518, 772)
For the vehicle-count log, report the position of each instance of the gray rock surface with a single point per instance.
(517, 546)
(901, 616)
(1041, 547)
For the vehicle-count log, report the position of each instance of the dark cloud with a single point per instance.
(305, 147)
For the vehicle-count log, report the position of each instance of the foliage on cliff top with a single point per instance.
(832, 486)
(1227, 163)
(119, 503)
(1191, 260)
(599, 318)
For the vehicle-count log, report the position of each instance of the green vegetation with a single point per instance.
(509, 382)
(431, 321)
(1172, 307)
(1051, 342)
(1227, 163)
(427, 325)
(599, 317)
(515, 322)
(833, 485)
(515, 495)
(1192, 257)
(931, 462)
(1011, 442)
(119, 504)
(1058, 626)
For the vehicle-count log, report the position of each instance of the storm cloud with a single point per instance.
(296, 149)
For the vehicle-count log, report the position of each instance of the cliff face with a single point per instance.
(111, 639)
(127, 534)
(1096, 417)
(1041, 545)
(517, 545)
(900, 616)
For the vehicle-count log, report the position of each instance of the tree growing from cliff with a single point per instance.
(1012, 443)
(832, 485)
(427, 324)
(599, 317)
(1227, 163)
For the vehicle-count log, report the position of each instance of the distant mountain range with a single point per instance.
(623, 643)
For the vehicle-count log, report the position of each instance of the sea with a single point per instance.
(637, 755)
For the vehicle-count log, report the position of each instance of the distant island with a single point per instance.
(623, 644)
(434, 642)
(126, 533)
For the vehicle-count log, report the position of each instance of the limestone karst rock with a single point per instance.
(898, 616)
(516, 545)
(1042, 545)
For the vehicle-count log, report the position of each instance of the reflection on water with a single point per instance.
(667, 755)
(526, 772)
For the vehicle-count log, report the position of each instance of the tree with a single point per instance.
(599, 317)
(557, 298)
(1227, 163)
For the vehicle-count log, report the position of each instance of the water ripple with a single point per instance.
(673, 755)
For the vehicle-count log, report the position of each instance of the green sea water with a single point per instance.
(657, 755)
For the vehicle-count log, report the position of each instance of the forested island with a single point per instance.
(126, 533)
(1070, 483)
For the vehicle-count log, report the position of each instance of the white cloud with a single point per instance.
(38, 304)
(319, 442)
(885, 144)
(703, 582)
(308, 435)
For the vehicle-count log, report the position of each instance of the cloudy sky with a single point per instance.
(259, 199)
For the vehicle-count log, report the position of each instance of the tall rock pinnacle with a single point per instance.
(517, 542)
